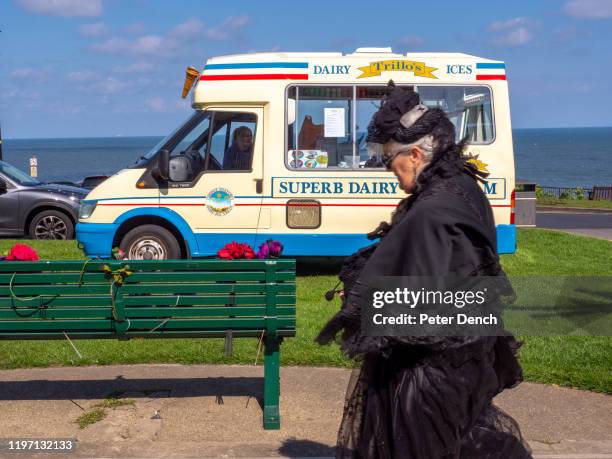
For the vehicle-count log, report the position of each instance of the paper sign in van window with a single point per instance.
(334, 122)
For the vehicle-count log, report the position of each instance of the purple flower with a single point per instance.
(276, 248)
(263, 251)
(270, 249)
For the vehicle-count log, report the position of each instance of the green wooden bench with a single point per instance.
(159, 299)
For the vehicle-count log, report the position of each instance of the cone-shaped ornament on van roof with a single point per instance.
(191, 73)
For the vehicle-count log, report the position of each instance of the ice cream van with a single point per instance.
(275, 149)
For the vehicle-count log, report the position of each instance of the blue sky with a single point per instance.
(88, 68)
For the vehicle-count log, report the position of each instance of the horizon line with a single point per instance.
(120, 136)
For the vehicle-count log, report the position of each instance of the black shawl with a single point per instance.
(427, 397)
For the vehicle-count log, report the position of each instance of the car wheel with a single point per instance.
(51, 224)
(150, 242)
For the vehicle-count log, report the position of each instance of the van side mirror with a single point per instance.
(163, 165)
(3, 187)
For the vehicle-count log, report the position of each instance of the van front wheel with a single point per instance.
(150, 242)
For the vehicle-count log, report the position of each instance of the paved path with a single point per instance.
(176, 412)
(588, 224)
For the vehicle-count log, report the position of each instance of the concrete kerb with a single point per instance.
(572, 210)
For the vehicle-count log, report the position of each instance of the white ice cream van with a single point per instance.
(275, 149)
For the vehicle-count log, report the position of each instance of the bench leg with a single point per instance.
(271, 415)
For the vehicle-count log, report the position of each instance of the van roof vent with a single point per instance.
(375, 50)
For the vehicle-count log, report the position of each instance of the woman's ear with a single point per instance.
(417, 154)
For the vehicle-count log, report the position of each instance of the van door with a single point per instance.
(225, 196)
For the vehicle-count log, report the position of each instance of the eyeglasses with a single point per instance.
(388, 159)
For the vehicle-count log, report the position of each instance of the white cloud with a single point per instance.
(500, 26)
(84, 75)
(66, 8)
(109, 85)
(165, 44)
(154, 45)
(589, 9)
(188, 29)
(137, 28)
(228, 28)
(93, 30)
(19, 94)
(22, 72)
(512, 32)
(34, 74)
(157, 104)
(516, 37)
(136, 67)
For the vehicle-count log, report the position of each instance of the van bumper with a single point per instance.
(506, 238)
(96, 238)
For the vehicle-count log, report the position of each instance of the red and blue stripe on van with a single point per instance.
(490, 71)
(255, 71)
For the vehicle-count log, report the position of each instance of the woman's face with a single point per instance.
(407, 163)
(245, 140)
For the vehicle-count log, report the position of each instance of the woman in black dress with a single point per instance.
(429, 396)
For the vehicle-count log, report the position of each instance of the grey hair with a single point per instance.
(427, 144)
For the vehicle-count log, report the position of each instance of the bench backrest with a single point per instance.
(173, 298)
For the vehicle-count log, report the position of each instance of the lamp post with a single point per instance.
(1, 157)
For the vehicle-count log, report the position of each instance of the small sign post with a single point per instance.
(33, 167)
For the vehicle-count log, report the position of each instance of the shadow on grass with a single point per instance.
(319, 266)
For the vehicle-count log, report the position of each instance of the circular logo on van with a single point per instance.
(220, 201)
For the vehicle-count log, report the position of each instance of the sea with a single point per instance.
(563, 157)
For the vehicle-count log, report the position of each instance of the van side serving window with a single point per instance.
(327, 125)
(322, 134)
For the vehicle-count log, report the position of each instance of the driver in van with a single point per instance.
(239, 155)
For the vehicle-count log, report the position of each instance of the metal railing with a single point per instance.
(556, 192)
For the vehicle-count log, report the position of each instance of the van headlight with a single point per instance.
(87, 208)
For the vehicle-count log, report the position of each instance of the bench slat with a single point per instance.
(142, 324)
(174, 276)
(52, 301)
(171, 300)
(28, 291)
(206, 288)
(140, 334)
(141, 288)
(165, 265)
(142, 312)
(146, 300)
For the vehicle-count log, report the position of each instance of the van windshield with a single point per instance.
(171, 140)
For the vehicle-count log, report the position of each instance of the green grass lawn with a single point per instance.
(581, 203)
(577, 361)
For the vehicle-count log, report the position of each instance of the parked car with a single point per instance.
(35, 209)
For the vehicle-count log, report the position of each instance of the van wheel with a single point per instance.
(150, 242)
(51, 224)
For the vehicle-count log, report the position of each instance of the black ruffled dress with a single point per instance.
(428, 397)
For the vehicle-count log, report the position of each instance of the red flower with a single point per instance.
(235, 250)
(22, 252)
